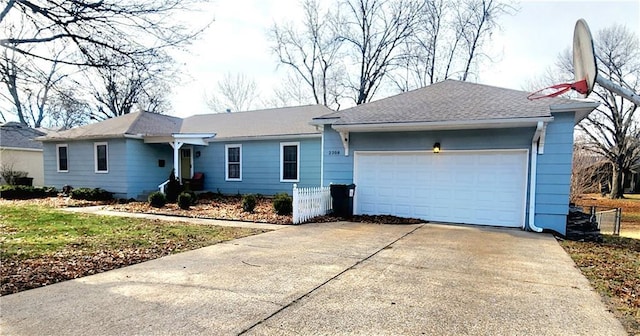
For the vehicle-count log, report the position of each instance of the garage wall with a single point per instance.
(338, 168)
(554, 174)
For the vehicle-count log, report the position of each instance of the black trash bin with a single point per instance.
(342, 199)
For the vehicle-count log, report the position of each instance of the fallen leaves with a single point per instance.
(226, 208)
(613, 268)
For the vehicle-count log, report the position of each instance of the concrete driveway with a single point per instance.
(325, 279)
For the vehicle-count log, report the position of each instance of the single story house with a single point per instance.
(457, 152)
(264, 151)
(453, 152)
(20, 152)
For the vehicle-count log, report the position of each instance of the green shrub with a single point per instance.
(26, 192)
(184, 201)
(194, 196)
(91, 194)
(173, 188)
(283, 204)
(157, 199)
(249, 202)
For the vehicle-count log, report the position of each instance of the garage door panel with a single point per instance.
(470, 187)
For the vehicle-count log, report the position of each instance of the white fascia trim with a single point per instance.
(21, 149)
(442, 125)
(323, 121)
(581, 109)
(192, 135)
(269, 137)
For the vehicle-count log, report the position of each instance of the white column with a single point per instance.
(176, 158)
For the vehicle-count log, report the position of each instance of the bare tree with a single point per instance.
(291, 92)
(235, 93)
(119, 90)
(374, 31)
(613, 131)
(127, 29)
(589, 171)
(312, 53)
(66, 110)
(29, 84)
(449, 40)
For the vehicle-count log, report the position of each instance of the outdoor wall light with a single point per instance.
(198, 154)
(436, 147)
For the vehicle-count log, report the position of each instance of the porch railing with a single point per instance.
(310, 202)
(162, 187)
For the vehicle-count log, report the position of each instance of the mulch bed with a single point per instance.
(224, 207)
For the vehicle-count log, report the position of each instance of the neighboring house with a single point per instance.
(501, 156)
(19, 152)
(264, 151)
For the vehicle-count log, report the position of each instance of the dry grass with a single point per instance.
(613, 268)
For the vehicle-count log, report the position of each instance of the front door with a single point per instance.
(185, 163)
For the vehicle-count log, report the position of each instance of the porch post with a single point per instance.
(176, 158)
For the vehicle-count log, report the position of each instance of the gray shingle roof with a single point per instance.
(445, 101)
(269, 122)
(138, 123)
(16, 135)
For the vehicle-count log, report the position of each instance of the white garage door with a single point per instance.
(472, 187)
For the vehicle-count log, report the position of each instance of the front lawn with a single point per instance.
(613, 268)
(41, 245)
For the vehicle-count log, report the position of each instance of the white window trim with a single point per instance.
(282, 144)
(226, 162)
(58, 158)
(95, 157)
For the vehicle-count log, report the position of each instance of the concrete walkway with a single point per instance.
(331, 279)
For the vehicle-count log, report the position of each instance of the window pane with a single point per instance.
(290, 153)
(101, 152)
(290, 171)
(62, 158)
(234, 154)
(290, 162)
(234, 171)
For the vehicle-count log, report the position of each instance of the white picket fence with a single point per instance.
(310, 202)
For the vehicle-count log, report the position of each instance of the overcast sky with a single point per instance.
(528, 42)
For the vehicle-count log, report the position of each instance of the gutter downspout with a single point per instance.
(532, 180)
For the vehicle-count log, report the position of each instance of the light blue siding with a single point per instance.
(554, 174)
(144, 173)
(81, 163)
(553, 167)
(260, 166)
(339, 168)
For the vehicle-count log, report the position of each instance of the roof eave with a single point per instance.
(323, 121)
(88, 137)
(441, 125)
(581, 109)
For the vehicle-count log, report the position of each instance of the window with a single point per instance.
(289, 162)
(101, 154)
(233, 161)
(62, 158)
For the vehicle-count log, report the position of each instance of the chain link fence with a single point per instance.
(608, 220)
